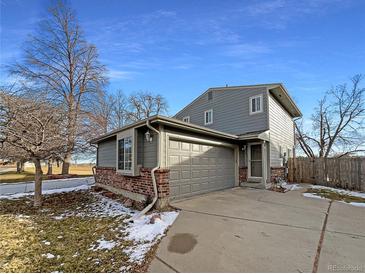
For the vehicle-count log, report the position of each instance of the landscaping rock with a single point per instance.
(154, 217)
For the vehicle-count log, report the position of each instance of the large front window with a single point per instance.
(125, 153)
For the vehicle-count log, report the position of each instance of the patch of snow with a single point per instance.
(341, 191)
(357, 204)
(145, 234)
(103, 244)
(46, 242)
(102, 207)
(290, 187)
(46, 192)
(59, 237)
(311, 195)
(125, 268)
(48, 256)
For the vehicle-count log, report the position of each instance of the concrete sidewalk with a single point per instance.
(15, 188)
(251, 230)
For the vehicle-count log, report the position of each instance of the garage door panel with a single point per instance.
(174, 175)
(185, 146)
(185, 174)
(198, 168)
(195, 160)
(185, 189)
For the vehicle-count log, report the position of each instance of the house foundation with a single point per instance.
(137, 188)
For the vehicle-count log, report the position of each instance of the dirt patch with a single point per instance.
(182, 243)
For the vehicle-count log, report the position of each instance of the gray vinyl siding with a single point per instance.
(230, 111)
(150, 152)
(281, 131)
(146, 152)
(243, 158)
(107, 153)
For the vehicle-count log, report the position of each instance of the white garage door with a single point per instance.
(197, 168)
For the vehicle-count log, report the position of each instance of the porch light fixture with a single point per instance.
(148, 136)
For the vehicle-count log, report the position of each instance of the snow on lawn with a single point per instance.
(289, 187)
(341, 191)
(103, 244)
(145, 234)
(341, 195)
(141, 234)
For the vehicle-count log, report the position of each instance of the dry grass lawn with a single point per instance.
(333, 195)
(64, 235)
(28, 174)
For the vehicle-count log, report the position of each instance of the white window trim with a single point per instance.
(122, 135)
(261, 104)
(132, 145)
(186, 118)
(205, 121)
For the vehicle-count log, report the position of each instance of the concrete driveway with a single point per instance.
(252, 230)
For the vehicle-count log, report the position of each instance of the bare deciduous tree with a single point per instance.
(31, 129)
(60, 61)
(145, 104)
(119, 109)
(337, 124)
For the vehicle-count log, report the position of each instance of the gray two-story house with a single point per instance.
(227, 137)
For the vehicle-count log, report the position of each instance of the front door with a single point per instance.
(255, 161)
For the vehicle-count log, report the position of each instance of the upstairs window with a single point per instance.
(186, 119)
(125, 153)
(210, 95)
(208, 117)
(256, 104)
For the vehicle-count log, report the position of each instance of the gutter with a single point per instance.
(148, 207)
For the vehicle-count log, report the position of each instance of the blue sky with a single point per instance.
(181, 48)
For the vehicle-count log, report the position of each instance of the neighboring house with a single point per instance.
(226, 137)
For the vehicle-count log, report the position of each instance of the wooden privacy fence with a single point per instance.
(347, 173)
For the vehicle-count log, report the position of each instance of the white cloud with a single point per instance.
(119, 74)
(247, 50)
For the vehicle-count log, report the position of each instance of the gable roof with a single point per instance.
(175, 123)
(278, 90)
(159, 119)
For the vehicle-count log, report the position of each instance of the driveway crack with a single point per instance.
(321, 239)
(168, 265)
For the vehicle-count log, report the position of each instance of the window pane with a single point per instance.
(258, 104)
(253, 105)
(121, 154)
(128, 153)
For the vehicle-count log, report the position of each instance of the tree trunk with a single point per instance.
(66, 164)
(50, 170)
(18, 167)
(38, 183)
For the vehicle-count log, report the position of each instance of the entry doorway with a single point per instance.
(255, 169)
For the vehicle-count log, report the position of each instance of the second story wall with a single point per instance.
(281, 132)
(230, 110)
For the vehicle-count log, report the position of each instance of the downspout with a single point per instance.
(148, 207)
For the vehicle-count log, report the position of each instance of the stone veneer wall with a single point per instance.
(243, 174)
(277, 172)
(141, 184)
